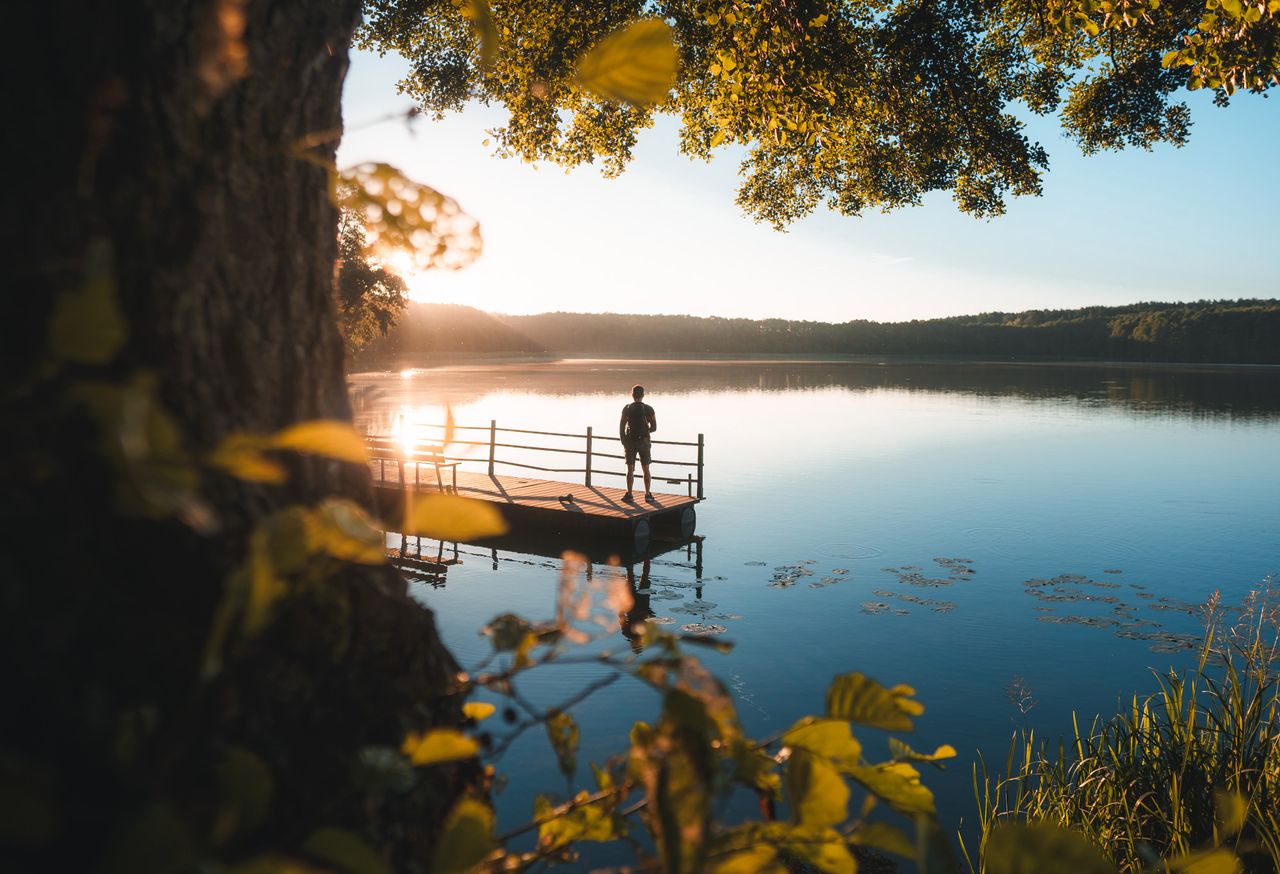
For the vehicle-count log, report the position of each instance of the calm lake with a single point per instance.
(967, 529)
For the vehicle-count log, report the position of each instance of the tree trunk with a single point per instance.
(188, 160)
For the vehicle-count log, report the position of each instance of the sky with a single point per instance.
(666, 237)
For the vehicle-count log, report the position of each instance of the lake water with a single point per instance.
(963, 528)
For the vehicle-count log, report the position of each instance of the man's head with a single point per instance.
(637, 392)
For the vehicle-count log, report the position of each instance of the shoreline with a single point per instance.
(813, 359)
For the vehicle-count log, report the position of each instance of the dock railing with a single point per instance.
(426, 448)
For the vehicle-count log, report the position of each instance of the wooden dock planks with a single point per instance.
(527, 491)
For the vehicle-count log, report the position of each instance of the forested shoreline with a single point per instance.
(1206, 332)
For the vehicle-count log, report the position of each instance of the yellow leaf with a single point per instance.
(860, 699)
(634, 65)
(1040, 848)
(1219, 861)
(829, 738)
(265, 588)
(240, 455)
(449, 517)
(818, 795)
(466, 839)
(343, 530)
(478, 710)
(882, 836)
(749, 861)
(477, 11)
(1232, 811)
(438, 745)
(898, 784)
(88, 326)
(327, 437)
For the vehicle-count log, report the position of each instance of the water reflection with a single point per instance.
(1184, 390)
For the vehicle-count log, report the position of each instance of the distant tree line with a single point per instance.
(1224, 332)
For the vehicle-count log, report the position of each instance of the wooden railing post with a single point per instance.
(493, 440)
(700, 465)
(588, 455)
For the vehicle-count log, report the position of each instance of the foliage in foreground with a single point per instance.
(1196, 764)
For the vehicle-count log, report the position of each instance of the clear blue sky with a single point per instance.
(666, 237)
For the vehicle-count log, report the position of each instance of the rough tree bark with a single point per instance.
(139, 138)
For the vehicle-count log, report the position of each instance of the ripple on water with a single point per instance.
(1000, 541)
(854, 551)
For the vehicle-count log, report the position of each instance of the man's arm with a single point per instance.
(653, 421)
(622, 425)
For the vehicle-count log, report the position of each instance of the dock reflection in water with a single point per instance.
(664, 572)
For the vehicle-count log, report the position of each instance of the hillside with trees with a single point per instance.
(1219, 332)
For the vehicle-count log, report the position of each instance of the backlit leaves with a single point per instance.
(403, 215)
(477, 12)
(247, 456)
(634, 65)
(1041, 848)
(816, 791)
(898, 784)
(466, 839)
(327, 437)
(449, 517)
(902, 752)
(860, 699)
(341, 529)
(438, 745)
(829, 738)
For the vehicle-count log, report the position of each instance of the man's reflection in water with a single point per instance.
(632, 622)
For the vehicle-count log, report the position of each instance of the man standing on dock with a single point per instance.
(637, 423)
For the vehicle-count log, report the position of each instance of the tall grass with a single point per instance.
(1196, 764)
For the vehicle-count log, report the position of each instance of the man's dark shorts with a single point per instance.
(639, 447)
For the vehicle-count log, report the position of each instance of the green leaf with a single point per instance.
(1040, 848)
(860, 699)
(448, 517)
(829, 738)
(634, 65)
(244, 787)
(563, 733)
(816, 791)
(466, 839)
(897, 783)
(438, 745)
(344, 850)
(88, 326)
(327, 437)
(882, 836)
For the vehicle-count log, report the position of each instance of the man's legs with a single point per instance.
(631, 475)
(648, 488)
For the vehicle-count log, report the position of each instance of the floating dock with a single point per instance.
(554, 508)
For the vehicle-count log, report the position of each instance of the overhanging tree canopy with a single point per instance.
(856, 104)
